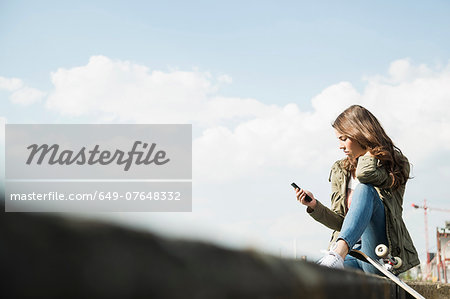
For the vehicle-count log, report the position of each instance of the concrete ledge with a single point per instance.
(432, 290)
(52, 257)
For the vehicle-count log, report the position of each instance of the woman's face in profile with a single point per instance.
(350, 147)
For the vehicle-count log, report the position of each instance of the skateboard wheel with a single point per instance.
(398, 262)
(382, 251)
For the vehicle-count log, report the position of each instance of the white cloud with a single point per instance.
(20, 93)
(26, 96)
(285, 138)
(10, 84)
(225, 79)
(125, 91)
(241, 137)
(414, 111)
(334, 99)
(3, 122)
(402, 71)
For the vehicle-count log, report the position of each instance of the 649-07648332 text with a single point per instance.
(99, 195)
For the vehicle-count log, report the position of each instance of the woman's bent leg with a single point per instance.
(365, 220)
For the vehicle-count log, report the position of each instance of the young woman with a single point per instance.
(367, 195)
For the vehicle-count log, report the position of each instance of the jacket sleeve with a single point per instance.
(333, 217)
(369, 171)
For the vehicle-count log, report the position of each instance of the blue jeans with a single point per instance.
(365, 221)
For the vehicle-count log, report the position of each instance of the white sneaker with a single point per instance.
(332, 260)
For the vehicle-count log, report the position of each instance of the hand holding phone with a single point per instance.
(307, 198)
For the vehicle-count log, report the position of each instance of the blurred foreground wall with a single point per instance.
(56, 257)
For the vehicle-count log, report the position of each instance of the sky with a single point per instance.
(260, 81)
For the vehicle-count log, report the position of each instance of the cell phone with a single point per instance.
(307, 198)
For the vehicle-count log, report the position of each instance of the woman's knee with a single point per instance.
(365, 192)
(365, 187)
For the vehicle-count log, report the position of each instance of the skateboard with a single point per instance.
(385, 265)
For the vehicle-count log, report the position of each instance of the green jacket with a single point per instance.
(370, 171)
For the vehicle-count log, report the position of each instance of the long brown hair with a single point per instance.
(360, 125)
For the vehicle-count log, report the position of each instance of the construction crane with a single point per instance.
(425, 208)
